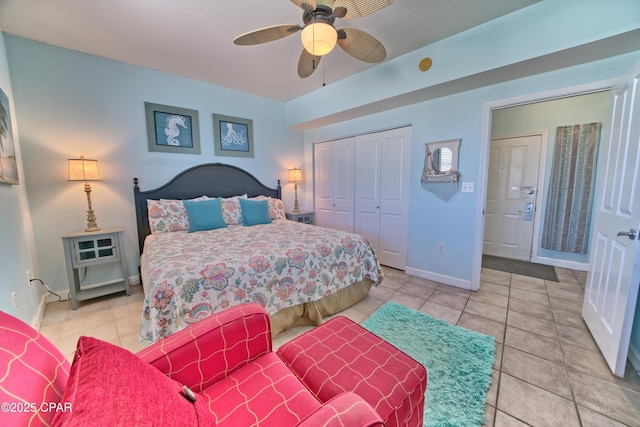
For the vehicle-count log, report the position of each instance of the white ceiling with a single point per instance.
(193, 38)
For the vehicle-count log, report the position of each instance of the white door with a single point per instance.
(614, 259)
(395, 171)
(367, 191)
(511, 196)
(343, 160)
(333, 180)
(382, 175)
(323, 183)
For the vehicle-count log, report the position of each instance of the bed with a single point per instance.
(300, 273)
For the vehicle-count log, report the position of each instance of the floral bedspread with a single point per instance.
(189, 276)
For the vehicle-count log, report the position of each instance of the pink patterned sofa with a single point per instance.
(219, 372)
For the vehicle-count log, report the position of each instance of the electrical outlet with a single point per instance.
(29, 278)
(15, 299)
(440, 248)
(467, 187)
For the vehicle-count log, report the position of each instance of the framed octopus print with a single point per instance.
(232, 136)
(172, 129)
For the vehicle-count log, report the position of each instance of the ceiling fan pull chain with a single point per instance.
(324, 72)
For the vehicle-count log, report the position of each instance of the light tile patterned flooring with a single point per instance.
(548, 370)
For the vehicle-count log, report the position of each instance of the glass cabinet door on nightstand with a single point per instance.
(88, 249)
(93, 250)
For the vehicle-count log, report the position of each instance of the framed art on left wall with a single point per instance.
(8, 163)
(172, 129)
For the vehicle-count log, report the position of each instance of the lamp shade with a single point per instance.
(83, 170)
(295, 175)
(319, 38)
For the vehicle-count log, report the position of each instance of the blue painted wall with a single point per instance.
(16, 244)
(456, 116)
(70, 104)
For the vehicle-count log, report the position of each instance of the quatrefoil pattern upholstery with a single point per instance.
(341, 356)
(33, 374)
(226, 359)
(226, 342)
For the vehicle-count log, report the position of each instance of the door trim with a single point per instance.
(485, 143)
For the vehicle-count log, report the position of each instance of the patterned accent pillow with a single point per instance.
(167, 215)
(276, 207)
(231, 210)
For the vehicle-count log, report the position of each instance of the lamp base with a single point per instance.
(296, 207)
(92, 225)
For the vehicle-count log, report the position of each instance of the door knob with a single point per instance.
(631, 233)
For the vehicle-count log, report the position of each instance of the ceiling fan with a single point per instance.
(319, 35)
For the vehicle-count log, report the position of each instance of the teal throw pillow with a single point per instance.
(204, 214)
(255, 212)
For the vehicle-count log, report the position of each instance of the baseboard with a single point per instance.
(634, 358)
(39, 315)
(441, 278)
(571, 265)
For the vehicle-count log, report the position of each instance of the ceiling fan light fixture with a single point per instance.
(319, 38)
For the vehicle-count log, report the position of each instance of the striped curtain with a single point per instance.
(567, 217)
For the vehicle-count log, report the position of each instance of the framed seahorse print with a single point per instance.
(172, 129)
(233, 136)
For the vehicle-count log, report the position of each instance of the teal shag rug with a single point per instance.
(459, 362)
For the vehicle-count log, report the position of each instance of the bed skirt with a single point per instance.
(311, 313)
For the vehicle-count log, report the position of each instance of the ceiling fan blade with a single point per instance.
(298, 3)
(308, 7)
(361, 45)
(315, 3)
(307, 64)
(340, 12)
(267, 34)
(358, 8)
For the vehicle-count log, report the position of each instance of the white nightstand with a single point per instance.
(305, 217)
(86, 249)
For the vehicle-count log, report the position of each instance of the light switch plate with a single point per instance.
(467, 187)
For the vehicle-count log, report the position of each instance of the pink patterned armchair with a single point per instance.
(218, 372)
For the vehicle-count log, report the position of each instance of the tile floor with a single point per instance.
(548, 370)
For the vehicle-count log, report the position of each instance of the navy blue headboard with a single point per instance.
(210, 179)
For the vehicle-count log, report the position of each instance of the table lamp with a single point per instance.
(85, 170)
(295, 176)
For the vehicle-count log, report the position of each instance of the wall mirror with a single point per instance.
(441, 161)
